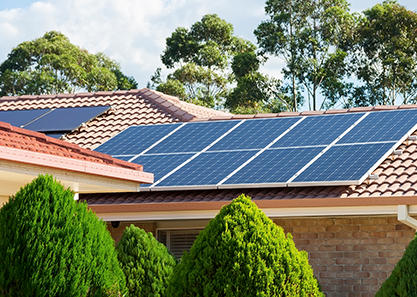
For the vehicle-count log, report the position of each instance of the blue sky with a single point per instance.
(132, 32)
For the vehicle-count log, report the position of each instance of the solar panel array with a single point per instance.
(53, 122)
(338, 149)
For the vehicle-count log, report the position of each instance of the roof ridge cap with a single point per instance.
(161, 100)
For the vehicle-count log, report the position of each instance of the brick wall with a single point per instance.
(116, 233)
(350, 256)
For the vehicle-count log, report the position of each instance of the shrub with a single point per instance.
(403, 281)
(243, 253)
(51, 245)
(147, 264)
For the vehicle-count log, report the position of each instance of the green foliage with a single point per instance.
(243, 253)
(146, 263)
(201, 58)
(385, 56)
(308, 35)
(51, 64)
(255, 92)
(402, 282)
(51, 245)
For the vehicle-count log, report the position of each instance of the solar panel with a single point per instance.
(134, 140)
(318, 130)
(344, 163)
(207, 169)
(254, 134)
(382, 126)
(160, 165)
(193, 137)
(19, 118)
(294, 151)
(65, 119)
(54, 134)
(274, 166)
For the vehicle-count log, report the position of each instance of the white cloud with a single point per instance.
(132, 32)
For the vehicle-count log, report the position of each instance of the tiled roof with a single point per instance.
(133, 107)
(22, 139)
(397, 175)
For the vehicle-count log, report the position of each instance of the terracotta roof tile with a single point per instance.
(133, 107)
(18, 138)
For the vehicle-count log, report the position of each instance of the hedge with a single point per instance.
(243, 253)
(51, 245)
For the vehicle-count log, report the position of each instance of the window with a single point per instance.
(178, 241)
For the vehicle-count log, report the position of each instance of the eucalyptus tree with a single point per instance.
(308, 36)
(52, 64)
(385, 56)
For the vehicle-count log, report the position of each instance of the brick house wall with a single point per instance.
(350, 256)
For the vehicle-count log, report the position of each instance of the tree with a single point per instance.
(146, 263)
(51, 245)
(307, 35)
(255, 92)
(201, 57)
(385, 56)
(51, 64)
(243, 253)
(402, 282)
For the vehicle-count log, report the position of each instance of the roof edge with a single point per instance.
(75, 165)
(270, 203)
(67, 145)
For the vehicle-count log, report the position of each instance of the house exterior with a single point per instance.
(25, 154)
(354, 234)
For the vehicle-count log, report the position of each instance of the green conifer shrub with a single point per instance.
(146, 263)
(243, 253)
(403, 280)
(50, 245)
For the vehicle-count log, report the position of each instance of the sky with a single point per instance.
(132, 32)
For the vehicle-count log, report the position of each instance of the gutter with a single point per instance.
(404, 217)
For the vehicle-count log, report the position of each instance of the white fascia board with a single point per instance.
(372, 210)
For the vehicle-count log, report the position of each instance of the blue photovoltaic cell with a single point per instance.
(207, 168)
(160, 165)
(66, 119)
(254, 134)
(344, 163)
(274, 166)
(20, 117)
(124, 158)
(135, 140)
(382, 126)
(193, 137)
(318, 130)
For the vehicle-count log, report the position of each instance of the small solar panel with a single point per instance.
(160, 165)
(66, 119)
(207, 169)
(344, 163)
(274, 166)
(254, 134)
(382, 126)
(19, 118)
(135, 140)
(318, 130)
(193, 137)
